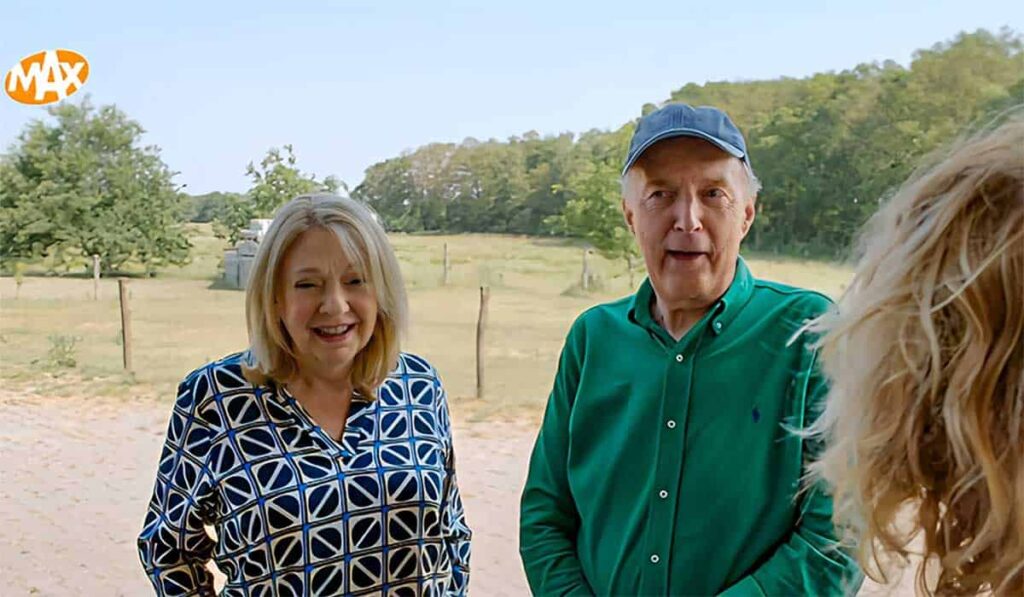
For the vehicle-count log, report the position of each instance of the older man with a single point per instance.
(664, 464)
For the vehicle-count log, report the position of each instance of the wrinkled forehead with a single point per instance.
(687, 156)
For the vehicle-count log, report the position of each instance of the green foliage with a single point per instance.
(62, 351)
(201, 209)
(275, 181)
(82, 184)
(827, 148)
(594, 211)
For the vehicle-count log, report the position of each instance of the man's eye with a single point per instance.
(715, 193)
(660, 194)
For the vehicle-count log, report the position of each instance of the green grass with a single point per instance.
(180, 320)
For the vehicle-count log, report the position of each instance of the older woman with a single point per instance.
(322, 456)
(925, 420)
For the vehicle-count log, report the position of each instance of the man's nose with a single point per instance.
(688, 214)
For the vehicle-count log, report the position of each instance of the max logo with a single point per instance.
(46, 77)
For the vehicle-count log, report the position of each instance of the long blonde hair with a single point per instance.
(924, 423)
(271, 357)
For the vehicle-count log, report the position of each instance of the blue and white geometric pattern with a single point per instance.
(296, 512)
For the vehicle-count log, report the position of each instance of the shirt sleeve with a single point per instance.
(810, 561)
(549, 520)
(174, 546)
(455, 530)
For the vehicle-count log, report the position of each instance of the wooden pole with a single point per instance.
(126, 324)
(447, 265)
(95, 277)
(481, 327)
(585, 276)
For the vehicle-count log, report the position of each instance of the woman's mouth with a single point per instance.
(336, 333)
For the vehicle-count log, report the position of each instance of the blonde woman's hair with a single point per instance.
(924, 423)
(271, 358)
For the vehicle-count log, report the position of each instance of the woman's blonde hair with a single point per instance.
(271, 356)
(925, 420)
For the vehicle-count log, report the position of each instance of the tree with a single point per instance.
(828, 149)
(208, 207)
(83, 184)
(275, 181)
(594, 213)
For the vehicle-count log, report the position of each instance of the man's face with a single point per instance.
(689, 206)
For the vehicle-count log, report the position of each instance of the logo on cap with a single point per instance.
(46, 77)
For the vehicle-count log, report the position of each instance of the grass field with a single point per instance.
(181, 318)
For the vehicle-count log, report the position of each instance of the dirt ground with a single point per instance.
(76, 474)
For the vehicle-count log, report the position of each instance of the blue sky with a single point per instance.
(216, 84)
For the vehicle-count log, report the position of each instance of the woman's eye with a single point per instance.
(305, 285)
(355, 282)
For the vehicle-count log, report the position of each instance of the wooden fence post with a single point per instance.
(585, 276)
(481, 327)
(126, 324)
(95, 277)
(447, 265)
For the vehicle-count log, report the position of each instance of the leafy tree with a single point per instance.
(206, 208)
(828, 149)
(275, 181)
(84, 184)
(594, 212)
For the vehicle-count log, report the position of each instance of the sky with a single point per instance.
(348, 84)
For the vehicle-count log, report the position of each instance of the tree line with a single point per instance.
(828, 149)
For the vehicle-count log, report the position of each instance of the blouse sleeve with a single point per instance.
(174, 546)
(456, 532)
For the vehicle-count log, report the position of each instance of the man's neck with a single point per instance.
(676, 321)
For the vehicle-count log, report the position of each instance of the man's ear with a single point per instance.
(627, 209)
(749, 211)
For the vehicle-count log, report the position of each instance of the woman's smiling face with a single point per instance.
(325, 304)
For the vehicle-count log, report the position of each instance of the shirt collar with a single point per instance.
(723, 312)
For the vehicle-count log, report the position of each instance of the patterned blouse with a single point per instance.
(296, 512)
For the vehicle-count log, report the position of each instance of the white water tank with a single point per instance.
(231, 268)
(244, 270)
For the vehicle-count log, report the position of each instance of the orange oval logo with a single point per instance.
(46, 77)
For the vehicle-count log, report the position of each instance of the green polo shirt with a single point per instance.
(665, 467)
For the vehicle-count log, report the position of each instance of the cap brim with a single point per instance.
(682, 132)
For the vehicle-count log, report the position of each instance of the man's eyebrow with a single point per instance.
(656, 182)
(718, 181)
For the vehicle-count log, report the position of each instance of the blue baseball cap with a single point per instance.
(681, 120)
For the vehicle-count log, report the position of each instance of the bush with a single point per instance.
(62, 351)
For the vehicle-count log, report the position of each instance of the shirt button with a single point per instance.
(655, 559)
(670, 424)
(679, 358)
(718, 325)
(663, 494)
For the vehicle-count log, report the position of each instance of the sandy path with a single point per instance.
(75, 476)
